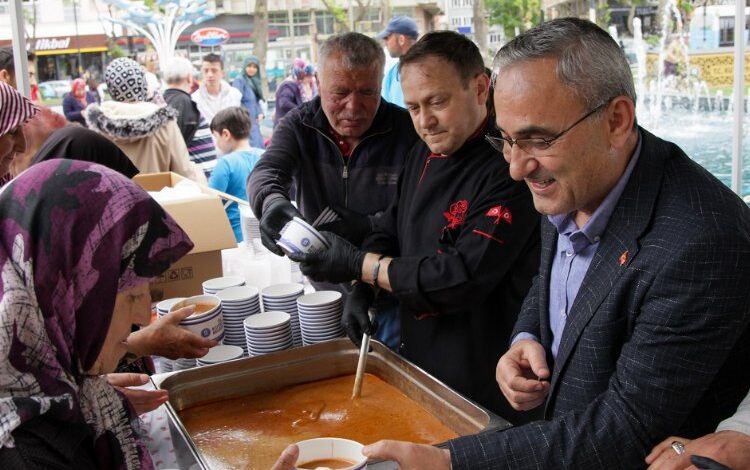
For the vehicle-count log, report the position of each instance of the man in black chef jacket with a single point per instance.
(459, 244)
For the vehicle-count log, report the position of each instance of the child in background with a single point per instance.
(230, 129)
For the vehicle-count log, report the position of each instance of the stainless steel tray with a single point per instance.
(234, 379)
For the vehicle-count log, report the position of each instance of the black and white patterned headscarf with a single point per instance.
(126, 81)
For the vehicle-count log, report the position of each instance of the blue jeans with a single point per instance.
(389, 326)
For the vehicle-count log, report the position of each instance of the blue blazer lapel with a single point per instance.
(549, 246)
(618, 246)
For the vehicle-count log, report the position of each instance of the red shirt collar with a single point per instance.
(345, 149)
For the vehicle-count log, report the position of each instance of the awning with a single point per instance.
(83, 50)
(64, 44)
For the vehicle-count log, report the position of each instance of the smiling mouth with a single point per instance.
(541, 184)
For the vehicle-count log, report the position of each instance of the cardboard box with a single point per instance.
(203, 218)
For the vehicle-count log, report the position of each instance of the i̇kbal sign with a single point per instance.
(209, 36)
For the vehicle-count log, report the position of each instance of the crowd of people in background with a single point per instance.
(162, 117)
(516, 234)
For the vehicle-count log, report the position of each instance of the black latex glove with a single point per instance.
(341, 262)
(275, 216)
(355, 320)
(353, 226)
(706, 463)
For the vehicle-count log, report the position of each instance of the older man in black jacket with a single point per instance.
(344, 150)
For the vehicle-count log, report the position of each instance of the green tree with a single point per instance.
(512, 14)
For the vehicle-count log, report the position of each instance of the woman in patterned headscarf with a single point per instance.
(146, 131)
(15, 110)
(78, 246)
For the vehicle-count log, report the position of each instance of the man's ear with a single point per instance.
(5, 76)
(620, 120)
(483, 87)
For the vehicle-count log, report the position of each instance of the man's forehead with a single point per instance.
(431, 66)
(360, 77)
(532, 76)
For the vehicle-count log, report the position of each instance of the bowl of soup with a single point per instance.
(330, 453)
(207, 320)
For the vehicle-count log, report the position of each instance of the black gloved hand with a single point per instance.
(341, 262)
(705, 463)
(275, 216)
(355, 320)
(352, 225)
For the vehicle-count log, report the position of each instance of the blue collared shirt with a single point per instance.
(575, 250)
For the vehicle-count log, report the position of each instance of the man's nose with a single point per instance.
(426, 119)
(521, 163)
(352, 101)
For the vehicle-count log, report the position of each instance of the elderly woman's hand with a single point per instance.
(166, 338)
(142, 400)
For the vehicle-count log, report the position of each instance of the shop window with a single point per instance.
(324, 22)
(726, 30)
(301, 23)
(279, 21)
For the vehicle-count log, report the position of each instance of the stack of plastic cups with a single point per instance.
(213, 286)
(238, 303)
(219, 354)
(283, 298)
(250, 227)
(268, 332)
(320, 316)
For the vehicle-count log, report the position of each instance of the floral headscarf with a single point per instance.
(72, 236)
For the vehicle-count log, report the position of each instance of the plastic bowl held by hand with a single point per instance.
(330, 452)
(298, 236)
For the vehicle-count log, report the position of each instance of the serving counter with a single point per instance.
(322, 361)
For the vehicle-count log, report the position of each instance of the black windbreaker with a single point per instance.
(466, 237)
(303, 153)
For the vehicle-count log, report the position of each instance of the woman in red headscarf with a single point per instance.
(76, 101)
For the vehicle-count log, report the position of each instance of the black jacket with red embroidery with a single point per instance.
(466, 241)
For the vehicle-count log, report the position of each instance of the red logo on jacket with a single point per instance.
(456, 213)
(500, 213)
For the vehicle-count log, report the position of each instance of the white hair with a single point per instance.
(177, 70)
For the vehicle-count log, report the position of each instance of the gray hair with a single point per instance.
(356, 51)
(589, 61)
(177, 70)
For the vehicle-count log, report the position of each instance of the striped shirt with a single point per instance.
(201, 148)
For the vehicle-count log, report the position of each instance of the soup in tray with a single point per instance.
(251, 432)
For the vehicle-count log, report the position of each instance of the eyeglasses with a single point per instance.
(535, 145)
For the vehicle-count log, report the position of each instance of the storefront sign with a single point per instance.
(210, 36)
(50, 44)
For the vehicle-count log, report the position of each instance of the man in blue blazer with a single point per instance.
(636, 327)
